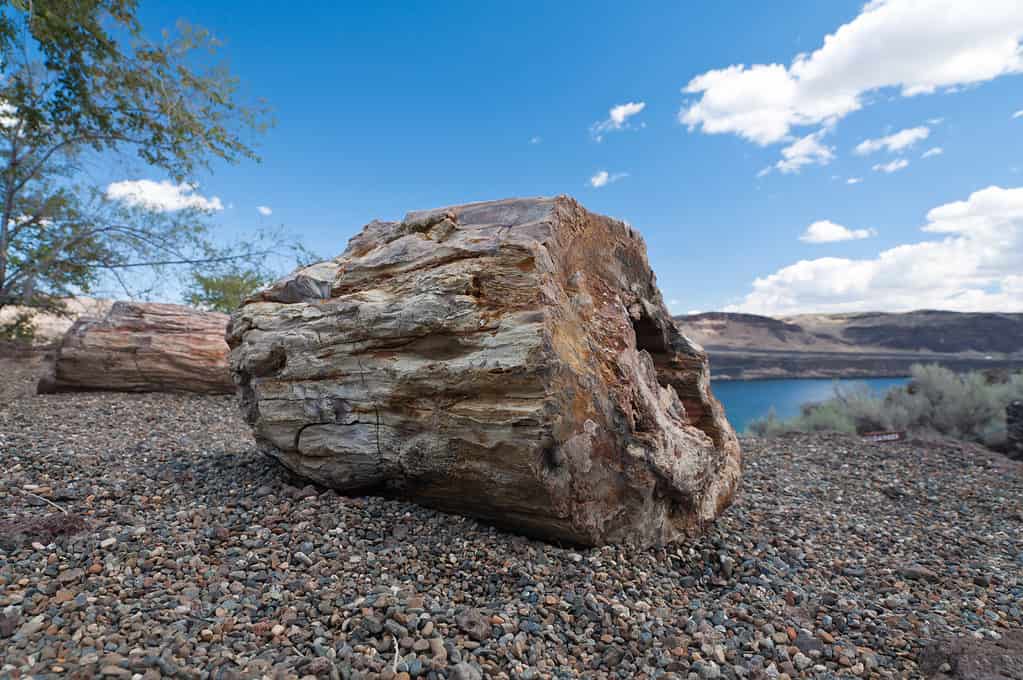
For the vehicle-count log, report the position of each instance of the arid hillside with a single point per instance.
(50, 328)
(862, 344)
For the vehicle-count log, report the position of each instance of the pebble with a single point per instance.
(187, 553)
(464, 671)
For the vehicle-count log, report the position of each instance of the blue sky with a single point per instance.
(384, 108)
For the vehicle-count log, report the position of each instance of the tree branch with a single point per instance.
(205, 260)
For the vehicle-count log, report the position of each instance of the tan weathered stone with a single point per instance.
(510, 360)
(143, 347)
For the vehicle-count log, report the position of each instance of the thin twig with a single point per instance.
(205, 260)
(44, 500)
(394, 666)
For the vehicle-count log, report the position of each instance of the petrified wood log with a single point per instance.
(510, 360)
(143, 347)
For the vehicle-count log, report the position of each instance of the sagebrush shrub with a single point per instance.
(965, 406)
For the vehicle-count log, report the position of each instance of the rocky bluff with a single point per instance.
(510, 360)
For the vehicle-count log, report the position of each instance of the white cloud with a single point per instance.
(854, 180)
(805, 151)
(1018, 114)
(7, 117)
(264, 210)
(903, 139)
(892, 166)
(935, 121)
(917, 46)
(618, 119)
(622, 112)
(603, 178)
(933, 151)
(163, 196)
(974, 266)
(535, 140)
(826, 231)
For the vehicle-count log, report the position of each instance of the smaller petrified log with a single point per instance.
(143, 347)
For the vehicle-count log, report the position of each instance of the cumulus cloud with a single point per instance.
(808, 150)
(164, 196)
(617, 119)
(903, 139)
(973, 264)
(1018, 114)
(826, 231)
(854, 180)
(603, 178)
(892, 166)
(933, 151)
(622, 112)
(264, 210)
(916, 46)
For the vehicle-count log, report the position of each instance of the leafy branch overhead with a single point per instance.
(110, 88)
(82, 81)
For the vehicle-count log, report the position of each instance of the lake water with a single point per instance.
(747, 400)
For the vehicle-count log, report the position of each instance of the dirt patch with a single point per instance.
(44, 530)
(20, 367)
(969, 658)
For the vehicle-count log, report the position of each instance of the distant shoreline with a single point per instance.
(731, 364)
(856, 345)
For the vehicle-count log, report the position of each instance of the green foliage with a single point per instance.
(937, 401)
(81, 81)
(225, 281)
(825, 417)
(768, 426)
(21, 328)
(828, 417)
(224, 292)
(103, 82)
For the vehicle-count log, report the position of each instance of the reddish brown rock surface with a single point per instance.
(510, 360)
(143, 347)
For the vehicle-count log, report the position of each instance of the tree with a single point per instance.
(81, 81)
(224, 292)
(225, 281)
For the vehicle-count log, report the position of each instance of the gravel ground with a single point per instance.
(184, 553)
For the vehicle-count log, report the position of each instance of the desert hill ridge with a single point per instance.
(854, 344)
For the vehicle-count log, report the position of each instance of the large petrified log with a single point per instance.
(510, 360)
(143, 347)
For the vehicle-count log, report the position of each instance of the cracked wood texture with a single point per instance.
(143, 347)
(511, 361)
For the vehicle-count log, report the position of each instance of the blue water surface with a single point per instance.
(747, 400)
